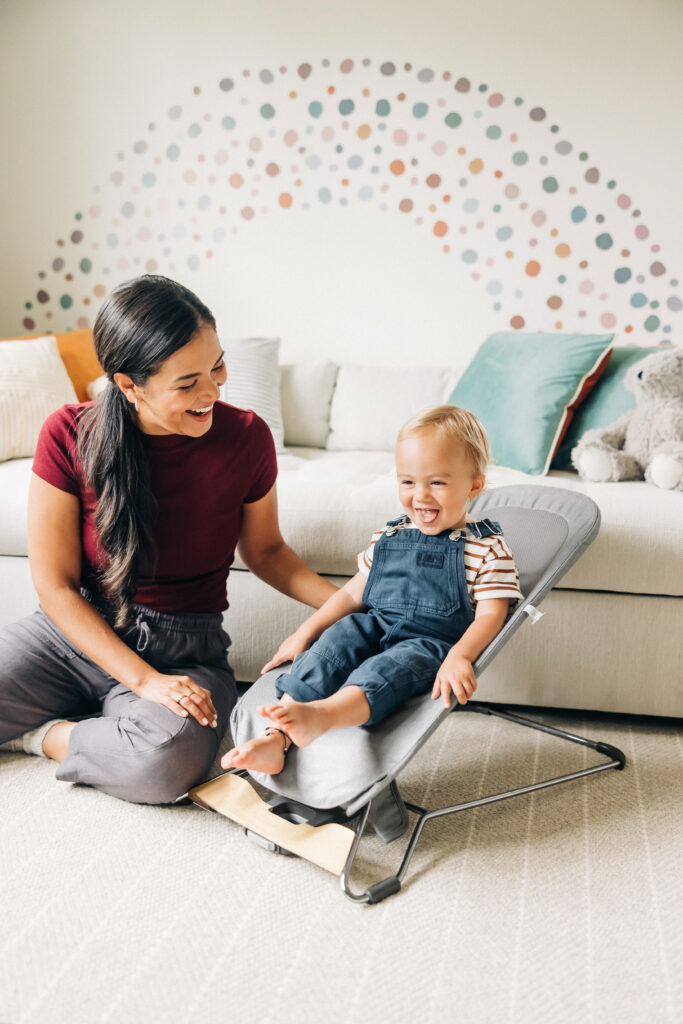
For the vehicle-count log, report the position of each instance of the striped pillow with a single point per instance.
(33, 383)
(254, 381)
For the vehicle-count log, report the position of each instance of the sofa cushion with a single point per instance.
(253, 380)
(306, 392)
(525, 387)
(15, 477)
(33, 383)
(330, 502)
(371, 403)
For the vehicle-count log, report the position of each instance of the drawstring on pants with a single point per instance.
(145, 633)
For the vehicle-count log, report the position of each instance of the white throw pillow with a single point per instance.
(254, 380)
(95, 388)
(33, 383)
(306, 392)
(371, 403)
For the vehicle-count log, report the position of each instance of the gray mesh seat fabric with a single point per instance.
(354, 769)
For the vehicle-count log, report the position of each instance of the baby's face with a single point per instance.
(436, 480)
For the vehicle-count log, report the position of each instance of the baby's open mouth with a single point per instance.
(427, 515)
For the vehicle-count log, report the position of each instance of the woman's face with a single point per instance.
(179, 397)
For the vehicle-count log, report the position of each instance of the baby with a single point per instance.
(431, 592)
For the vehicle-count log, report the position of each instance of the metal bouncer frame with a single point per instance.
(392, 884)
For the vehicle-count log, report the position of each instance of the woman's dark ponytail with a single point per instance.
(139, 326)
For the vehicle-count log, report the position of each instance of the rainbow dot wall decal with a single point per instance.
(516, 206)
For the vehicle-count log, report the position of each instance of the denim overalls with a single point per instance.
(418, 607)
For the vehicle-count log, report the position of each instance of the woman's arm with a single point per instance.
(54, 550)
(263, 550)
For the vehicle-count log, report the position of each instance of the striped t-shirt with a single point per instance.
(489, 566)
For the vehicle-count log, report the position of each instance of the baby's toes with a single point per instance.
(279, 715)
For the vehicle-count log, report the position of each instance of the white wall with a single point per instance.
(82, 81)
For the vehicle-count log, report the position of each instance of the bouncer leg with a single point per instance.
(392, 884)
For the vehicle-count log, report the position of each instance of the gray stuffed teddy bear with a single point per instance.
(648, 440)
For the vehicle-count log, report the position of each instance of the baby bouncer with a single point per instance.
(321, 804)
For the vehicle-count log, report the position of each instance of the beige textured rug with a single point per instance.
(564, 906)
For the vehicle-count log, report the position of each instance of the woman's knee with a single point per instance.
(164, 774)
(150, 769)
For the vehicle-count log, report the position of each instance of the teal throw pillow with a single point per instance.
(608, 400)
(524, 388)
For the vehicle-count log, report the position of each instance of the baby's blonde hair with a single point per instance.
(457, 424)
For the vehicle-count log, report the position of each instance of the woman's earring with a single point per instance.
(137, 408)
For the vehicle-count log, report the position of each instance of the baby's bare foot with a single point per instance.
(263, 754)
(303, 722)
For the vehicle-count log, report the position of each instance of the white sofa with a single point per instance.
(611, 638)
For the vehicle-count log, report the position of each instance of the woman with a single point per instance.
(136, 506)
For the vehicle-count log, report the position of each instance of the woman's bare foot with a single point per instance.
(303, 723)
(263, 754)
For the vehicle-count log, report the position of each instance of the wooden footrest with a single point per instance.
(327, 846)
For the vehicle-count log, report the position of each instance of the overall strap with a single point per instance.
(484, 528)
(401, 519)
(393, 523)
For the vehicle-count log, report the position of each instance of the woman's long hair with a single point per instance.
(139, 326)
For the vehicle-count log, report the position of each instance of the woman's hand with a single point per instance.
(288, 650)
(181, 695)
(455, 674)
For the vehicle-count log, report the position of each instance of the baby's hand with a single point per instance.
(288, 650)
(455, 674)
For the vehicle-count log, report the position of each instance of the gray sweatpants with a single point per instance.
(135, 749)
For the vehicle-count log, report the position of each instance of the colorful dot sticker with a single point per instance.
(535, 223)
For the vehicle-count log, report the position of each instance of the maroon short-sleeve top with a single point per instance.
(200, 485)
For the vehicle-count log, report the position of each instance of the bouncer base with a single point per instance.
(279, 828)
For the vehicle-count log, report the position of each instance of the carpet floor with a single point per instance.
(564, 905)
